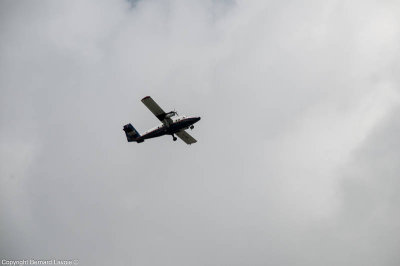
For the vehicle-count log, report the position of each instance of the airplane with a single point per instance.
(172, 124)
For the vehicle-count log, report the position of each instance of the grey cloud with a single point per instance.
(297, 152)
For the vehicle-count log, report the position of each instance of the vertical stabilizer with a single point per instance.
(131, 133)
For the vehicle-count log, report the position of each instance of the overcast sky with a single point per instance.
(297, 160)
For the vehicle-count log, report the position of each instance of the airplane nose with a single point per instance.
(198, 118)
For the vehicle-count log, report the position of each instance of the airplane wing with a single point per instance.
(183, 135)
(156, 110)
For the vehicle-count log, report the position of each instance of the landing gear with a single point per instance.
(173, 137)
(191, 127)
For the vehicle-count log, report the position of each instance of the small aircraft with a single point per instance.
(172, 124)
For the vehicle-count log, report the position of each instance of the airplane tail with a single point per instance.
(131, 133)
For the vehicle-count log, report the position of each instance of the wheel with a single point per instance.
(191, 127)
(174, 138)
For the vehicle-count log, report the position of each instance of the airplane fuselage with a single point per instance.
(178, 124)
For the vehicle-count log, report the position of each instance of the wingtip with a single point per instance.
(147, 97)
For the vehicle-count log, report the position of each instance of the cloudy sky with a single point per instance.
(297, 160)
